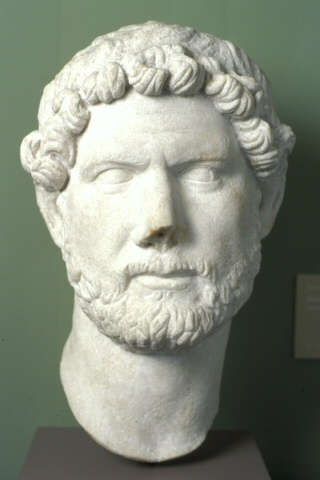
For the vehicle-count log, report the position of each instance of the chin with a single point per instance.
(163, 325)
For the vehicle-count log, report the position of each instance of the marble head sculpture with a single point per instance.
(159, 165)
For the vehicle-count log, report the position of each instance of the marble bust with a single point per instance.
(159, 166)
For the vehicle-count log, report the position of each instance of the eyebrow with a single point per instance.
(90, 171)
(201, 160)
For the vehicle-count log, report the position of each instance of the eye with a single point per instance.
(114, 176)
(199, 174)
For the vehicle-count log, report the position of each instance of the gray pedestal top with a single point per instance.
(70, 454)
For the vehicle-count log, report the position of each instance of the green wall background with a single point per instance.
(264, 389)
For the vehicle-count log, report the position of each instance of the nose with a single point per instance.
(158, 225)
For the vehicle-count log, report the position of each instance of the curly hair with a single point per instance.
(155, 59)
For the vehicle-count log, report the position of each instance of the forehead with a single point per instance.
(137, 124)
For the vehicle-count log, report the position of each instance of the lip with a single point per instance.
(172, 281)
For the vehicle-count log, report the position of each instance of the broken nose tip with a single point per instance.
(158, 236)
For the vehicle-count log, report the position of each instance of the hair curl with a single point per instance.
(155, 59)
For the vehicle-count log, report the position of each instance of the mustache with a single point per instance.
(160, 266)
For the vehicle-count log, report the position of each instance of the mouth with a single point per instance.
(178, 280)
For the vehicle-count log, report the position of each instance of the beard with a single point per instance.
(162, 320)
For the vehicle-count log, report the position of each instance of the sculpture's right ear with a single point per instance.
(49, 177)
(47, 202)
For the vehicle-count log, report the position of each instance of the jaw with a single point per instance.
(147, 320)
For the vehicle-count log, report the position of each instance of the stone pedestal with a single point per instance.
(69, 453)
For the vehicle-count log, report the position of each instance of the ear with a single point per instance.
(49, 177)
(272, 190)
(47, 202)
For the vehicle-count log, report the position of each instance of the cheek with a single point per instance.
(242, 227)
(226, 223)
(96, 225)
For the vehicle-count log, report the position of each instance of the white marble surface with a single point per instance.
(159, 166)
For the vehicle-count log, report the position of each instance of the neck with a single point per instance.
(146, 407)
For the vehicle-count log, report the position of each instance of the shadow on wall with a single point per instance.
(264, 389)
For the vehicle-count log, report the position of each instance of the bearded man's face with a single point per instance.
(161, 220)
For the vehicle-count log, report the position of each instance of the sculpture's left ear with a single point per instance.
(272, 187)
(272, 190)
